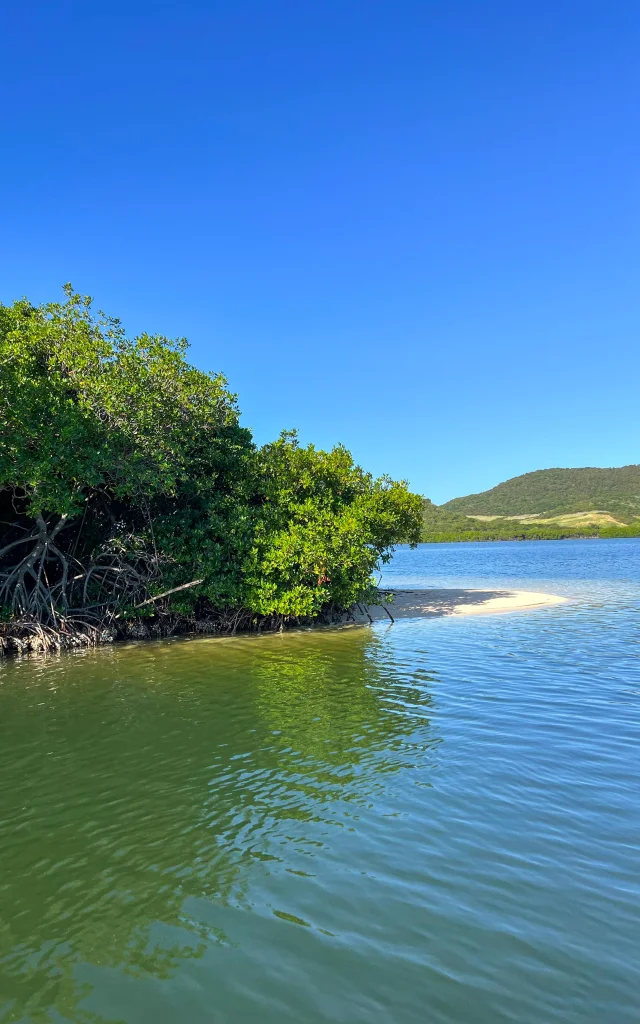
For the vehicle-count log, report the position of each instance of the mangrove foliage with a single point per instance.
(125, 474)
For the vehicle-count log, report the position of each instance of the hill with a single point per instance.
(552, 492)
(548, 504)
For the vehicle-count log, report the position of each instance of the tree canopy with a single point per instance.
(125, 471)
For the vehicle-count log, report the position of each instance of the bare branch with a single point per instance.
(174, 590)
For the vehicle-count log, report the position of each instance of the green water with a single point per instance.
(432, 821)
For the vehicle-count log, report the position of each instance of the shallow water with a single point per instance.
(435, 821)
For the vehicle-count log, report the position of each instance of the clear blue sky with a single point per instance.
(413, 227)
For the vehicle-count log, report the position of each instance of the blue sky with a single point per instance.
(413, 227)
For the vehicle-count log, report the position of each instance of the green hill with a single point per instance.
(551, 492)
(548, 504)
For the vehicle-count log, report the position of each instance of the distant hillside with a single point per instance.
(549, 504)
(553, 492)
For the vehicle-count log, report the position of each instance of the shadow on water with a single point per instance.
(139, 782)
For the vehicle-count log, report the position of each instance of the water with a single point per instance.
(436, 821)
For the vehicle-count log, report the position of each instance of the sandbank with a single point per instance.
(408, 604)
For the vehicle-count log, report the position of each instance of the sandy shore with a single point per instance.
(408, 604)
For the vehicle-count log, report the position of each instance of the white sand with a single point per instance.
(427, 603)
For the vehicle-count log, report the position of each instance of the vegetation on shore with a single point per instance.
(125, 474)
(550, 504)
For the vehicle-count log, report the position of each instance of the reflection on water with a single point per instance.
(432, 821)
(136, 778)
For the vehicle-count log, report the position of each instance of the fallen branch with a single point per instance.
(174, 590)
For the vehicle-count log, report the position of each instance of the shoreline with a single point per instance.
(434, 602)
(31, 638)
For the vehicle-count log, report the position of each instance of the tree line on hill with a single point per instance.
(125, 474)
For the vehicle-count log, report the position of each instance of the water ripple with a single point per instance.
(434, 821)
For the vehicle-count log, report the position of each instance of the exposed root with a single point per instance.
(43, 581)
(24, 636)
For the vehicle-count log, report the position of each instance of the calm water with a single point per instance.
(435, 821)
